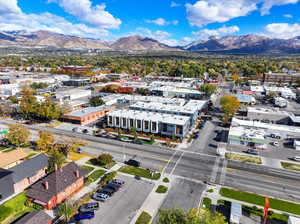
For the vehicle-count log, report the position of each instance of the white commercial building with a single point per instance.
(241, 135)
(150, 122)
(171, 91)
(293, 220)
(7, 90)
(72, 94)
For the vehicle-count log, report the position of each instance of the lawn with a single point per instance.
(13, 209)
(87, 168)
(94, 176)
(256, 199)
(206, 202)
(291, 166)
(243, 158)
(94, 162)
(136, 171)
(161, 189)
(144, 218)
(30, 155)
(74, 156)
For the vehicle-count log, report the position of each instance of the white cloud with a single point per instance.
(283, 30)
(10, 6)
(289, 16)
(224, 30)
(14, 19)
(162, 22)
(268, 4)
(209, 11)
(94, 15)
(175, 4)
(159, 35)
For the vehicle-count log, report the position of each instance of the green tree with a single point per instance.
(208, 89)
(96, 101)
(13, 99)
(194, 216)
(47, 110)
(229, 105)
(66, 210)
(45, 141)
(56, 158)
(17, 134)
(236, 78)
(28, 103)
(104, 159)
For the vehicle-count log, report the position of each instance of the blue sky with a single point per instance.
(174, 22)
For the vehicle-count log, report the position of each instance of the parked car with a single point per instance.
(107, 191)
(79, 150)
(100, 197)
(296, 158)
(252, 151)
(113, 186)
(133, 162)
(89, 207)
(84, 215)
(118, 181)
(85, 131)
(137, 141)
(275, 136)
(126, 140)
(137, 177)
(275, 144)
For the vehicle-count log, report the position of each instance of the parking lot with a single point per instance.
(183, 194)
(123, 205)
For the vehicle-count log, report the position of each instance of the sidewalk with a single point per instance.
(154, 200)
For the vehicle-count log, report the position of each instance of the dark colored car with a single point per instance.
(133, 162)
(118, 182)
(85, 131)
(138, 142)
(84, 215)
(252, 151)
(89, 207)
(113, 186)
(107, 191)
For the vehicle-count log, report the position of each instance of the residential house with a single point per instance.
(35, 217)
(6, 184)
(29, 171)
(12, 158)
(57, 186)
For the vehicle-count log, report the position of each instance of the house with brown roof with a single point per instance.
(58, 186)
(12, 158)
(35, 217)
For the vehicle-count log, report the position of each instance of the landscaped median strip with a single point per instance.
(141, 172)
(243, 158)
(256, 199)
(144, 218)
(291, 166)
(94, 176)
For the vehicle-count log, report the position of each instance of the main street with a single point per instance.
(195, 166)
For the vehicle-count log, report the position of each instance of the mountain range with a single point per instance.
(246, 44)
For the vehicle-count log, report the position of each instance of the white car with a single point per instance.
(296, 158)
(276, 144)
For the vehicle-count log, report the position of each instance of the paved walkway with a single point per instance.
(154, 200)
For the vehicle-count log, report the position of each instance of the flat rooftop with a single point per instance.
(150, 116)
(190, 107)
(86, 111)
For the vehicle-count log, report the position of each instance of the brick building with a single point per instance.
(86, 115)
(281, 77)
(57, 186)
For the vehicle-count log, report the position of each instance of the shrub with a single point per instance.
(104, 159)
(206, 202)
(144, 218)
(166, 180)
(108, 177)
(4, 212)
(161, 189)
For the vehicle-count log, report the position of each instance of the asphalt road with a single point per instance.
(199, 167)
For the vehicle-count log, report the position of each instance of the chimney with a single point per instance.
(46, 185)
(77, 173)
(60, 169)
(55, 166)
